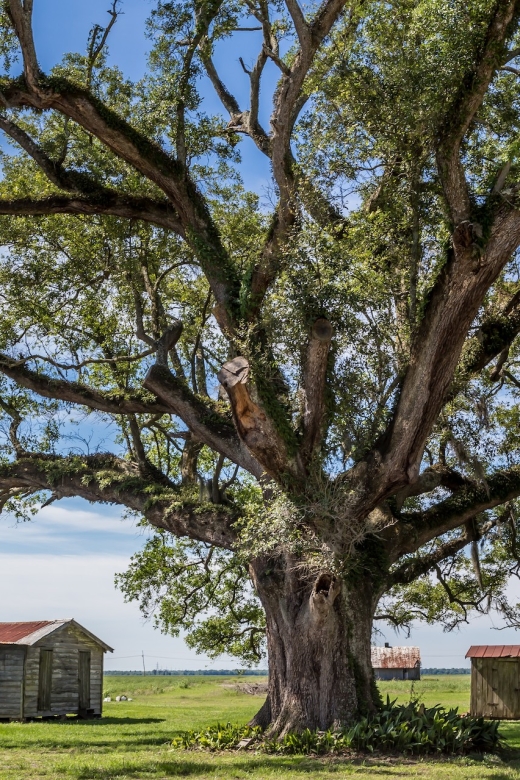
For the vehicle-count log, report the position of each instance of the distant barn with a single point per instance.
(50, 668)
(396, 663)
(495, 681)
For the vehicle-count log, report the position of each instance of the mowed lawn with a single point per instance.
(133, 739)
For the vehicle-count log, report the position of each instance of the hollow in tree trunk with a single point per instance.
(318, 637)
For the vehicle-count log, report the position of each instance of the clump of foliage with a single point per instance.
(406, 728)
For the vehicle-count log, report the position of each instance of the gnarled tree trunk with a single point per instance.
(318, 635)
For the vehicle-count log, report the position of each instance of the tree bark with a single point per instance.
(318, 635)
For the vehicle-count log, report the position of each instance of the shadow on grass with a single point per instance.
(249, 766)
(111, 721)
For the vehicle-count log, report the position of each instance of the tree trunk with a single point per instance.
(318, 637)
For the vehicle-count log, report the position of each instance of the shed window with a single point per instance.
(45, 681)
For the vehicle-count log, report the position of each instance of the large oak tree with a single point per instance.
(315, 390)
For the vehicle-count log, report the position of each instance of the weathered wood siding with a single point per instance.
(495, 688)
(96, 680)
(398, 674)
(11, 681)
(32, 670)
(66, 644)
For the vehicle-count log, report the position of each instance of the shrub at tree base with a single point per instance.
(409, 728)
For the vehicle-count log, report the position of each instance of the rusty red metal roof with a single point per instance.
(30, 632)
(493, 651)
(13, 632)
(395, 657)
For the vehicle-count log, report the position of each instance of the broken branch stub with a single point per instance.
(167, 341)
(254, 427)
(233, 372)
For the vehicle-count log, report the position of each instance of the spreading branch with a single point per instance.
(410, 570)
(20, 12)
(413, 529)
(206, 423)
(92, 197)
(454, 303)
(109, 203)
(149, 159)
(132, 402)
(461, 112)
(108, 479)
(430, 479)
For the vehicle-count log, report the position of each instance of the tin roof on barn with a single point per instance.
(395, 657)
(493, 651)
(29, 632)
(11, 633)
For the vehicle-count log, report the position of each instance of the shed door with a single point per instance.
(11, 681)
(84, 680)
(45, 681)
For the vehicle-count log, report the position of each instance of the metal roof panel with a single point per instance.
(30, 632)
(493, 651)
(14, 633)
(395, 657)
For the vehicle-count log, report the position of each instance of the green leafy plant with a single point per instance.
(408, 728)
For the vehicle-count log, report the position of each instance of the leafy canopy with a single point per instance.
(356, 228)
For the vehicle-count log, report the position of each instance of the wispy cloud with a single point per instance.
(72, 527)
(44, 586)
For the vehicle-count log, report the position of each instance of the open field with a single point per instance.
(132, 741)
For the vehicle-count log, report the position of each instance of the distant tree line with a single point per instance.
(446, 671)
(259, 672)
(191, 672)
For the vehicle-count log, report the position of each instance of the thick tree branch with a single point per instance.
(136, 402)
(92, 197)
(254, 426)
(227, 99)
(314, 381)
(493, 339)
(465, 105)
(289, 100)
(205, 422)
(300, 25)
(412, 569)
(430, 479)
(52, 170)
(174, 397)
(105, 478)
(153, 163)
(20, 12)
(109, 203)
(414, 529)
(454, 304)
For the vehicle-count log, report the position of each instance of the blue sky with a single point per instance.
(62, 564)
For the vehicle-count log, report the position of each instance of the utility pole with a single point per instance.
(144, 670)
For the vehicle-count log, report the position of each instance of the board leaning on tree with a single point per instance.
(313, 397)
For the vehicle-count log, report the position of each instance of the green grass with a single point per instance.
(132, 741)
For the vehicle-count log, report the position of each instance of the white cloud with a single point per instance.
(72, 527)
(52, 520)
(45, 586)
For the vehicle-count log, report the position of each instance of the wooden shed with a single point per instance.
(50, 668)
(396, 663)
(495, 681)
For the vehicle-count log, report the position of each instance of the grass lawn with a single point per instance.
(132, 740)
